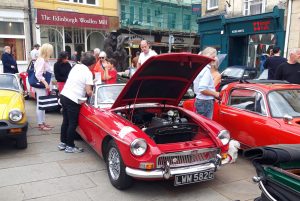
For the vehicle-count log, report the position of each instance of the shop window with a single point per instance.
(212, 4)
(254, 7)
(123, 12)
(140, 14)
(12, 28)
(186, 22)
(89, 2)
(17, 47)
(171, 20)
(259, 47)
(148, 15)
(131, 14)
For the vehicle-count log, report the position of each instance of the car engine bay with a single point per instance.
(163, 125)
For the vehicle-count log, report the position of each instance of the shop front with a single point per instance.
(71, 31)
(13, 33)
(245, 40)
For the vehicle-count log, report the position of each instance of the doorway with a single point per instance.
(238, 50)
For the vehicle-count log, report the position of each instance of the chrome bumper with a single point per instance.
(167, 173)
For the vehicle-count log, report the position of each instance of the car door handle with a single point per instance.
(228, 113)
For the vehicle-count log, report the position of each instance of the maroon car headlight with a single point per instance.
(15, 115)
(224, 136)
(138, 147)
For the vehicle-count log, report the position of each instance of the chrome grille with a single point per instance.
(185, 158)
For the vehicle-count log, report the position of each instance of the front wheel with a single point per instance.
(21, 141)
(116, 168)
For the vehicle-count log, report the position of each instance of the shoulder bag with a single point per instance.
(33, 81)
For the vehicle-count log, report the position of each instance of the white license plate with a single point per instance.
(195, 177)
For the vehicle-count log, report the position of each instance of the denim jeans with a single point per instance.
(70, 120)
(205, 107)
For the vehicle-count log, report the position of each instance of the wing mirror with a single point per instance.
(287, 119)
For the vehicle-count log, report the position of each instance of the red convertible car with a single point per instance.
(259, 112)
(141, 132)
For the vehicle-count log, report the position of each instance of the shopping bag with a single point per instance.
(49, 103)
(33, 81)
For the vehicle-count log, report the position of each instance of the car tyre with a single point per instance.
(21, 141)
(116, 168)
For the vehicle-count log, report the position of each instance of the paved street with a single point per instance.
(41, 173)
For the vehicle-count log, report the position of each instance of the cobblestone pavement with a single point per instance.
(42, 173)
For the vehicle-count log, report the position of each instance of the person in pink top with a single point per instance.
(41, 66)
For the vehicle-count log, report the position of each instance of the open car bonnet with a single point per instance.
(162, 79)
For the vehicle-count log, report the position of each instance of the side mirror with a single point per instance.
(287, 119)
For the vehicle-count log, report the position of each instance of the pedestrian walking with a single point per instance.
(34, 54)
(110, 72)
(204, 87)
(146, 53)
(273, 62)
(62, 69)
(78, 85)
(41, 66)
(8, 61)
(290, 70)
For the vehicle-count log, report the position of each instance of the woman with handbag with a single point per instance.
(42, 67)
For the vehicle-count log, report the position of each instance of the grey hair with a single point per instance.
(97, 51)
(88, 59)
(294, 51)
(208, 51)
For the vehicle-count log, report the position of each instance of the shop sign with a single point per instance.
(72, 19)
(251, 27)
(135, 37)
(238, 31)
(178, 40)
(261, 25)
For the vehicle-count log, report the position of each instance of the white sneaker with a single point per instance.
(73, 149)
(61, 146)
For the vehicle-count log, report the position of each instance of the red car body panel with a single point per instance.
(250, 128)
(98, 125)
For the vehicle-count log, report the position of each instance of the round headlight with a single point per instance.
(15, 115)
(224, 136)
(138, 147)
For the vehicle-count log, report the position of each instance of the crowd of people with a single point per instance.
(76, 82)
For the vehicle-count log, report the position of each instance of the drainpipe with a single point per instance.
(30, 23)
(288, 27)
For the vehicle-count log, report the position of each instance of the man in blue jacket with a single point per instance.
(8, 62)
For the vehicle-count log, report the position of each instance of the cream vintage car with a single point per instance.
(13, 121)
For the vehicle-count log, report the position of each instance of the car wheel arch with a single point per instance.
(104, 145)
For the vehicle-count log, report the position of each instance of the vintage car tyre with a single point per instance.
(118, 179)
(21, 141)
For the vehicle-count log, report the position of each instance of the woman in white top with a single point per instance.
(41, 66)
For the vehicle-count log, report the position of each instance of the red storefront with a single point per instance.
(72, 31)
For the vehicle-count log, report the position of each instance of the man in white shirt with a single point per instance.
(204, 87)
(78, 84)
(146, 53)
(34, 54)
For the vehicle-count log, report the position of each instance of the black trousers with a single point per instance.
(70, 120)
